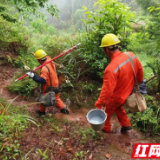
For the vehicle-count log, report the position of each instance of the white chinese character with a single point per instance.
(137, 154)
(154, 151)
(143, 151)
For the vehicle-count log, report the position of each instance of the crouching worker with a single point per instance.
(49, 80)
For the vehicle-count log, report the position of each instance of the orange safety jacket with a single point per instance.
(118, 79)
(53, 74)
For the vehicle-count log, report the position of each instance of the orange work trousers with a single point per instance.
(59, 104)
(112, 107)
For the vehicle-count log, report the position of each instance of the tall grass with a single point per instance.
(13, 120)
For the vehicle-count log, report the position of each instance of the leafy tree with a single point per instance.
(13, 33)
(69, 9)
(24, 6)
(5, 15)
(145, 4)
(149, 36)
(77, 19)
(109, 16)
(151, 33)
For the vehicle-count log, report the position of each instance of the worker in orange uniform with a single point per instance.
(118, 82)
(48, 72)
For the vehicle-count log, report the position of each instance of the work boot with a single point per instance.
(125, 129)
(40, 113)
(65, 110)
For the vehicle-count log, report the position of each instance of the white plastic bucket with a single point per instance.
(97, 119)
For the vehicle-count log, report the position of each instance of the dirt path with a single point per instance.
(118, 146)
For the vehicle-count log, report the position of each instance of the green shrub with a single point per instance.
(23, 86)
(148, 121)
(13, 120)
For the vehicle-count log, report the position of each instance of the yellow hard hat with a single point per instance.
(40, 54)
(109, 40)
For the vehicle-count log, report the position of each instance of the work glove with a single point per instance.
(30, 74)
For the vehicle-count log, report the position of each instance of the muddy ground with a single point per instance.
(118, 146)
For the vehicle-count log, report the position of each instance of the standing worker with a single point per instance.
(118, 82)
(48, 73)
